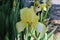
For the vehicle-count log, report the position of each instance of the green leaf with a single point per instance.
(45, 38)
(49, 35)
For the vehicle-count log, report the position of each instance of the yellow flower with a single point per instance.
(28, 16)
(43, 7)
(38, 7)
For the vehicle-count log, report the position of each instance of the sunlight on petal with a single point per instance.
(41, 28)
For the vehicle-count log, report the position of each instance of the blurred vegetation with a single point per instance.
(8, 18)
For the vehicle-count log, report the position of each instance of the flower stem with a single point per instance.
(42, 16)
(46, 14)
(27, 32)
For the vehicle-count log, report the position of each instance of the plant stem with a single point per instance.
(46, 13)
(27, 32)
(41, 16)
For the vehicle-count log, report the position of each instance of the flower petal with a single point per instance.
(41, 28)
(28, 15)
(43, 7)
(19, 27)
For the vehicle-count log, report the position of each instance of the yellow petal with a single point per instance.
(19, 27)
(28, 15)
(43, 7)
